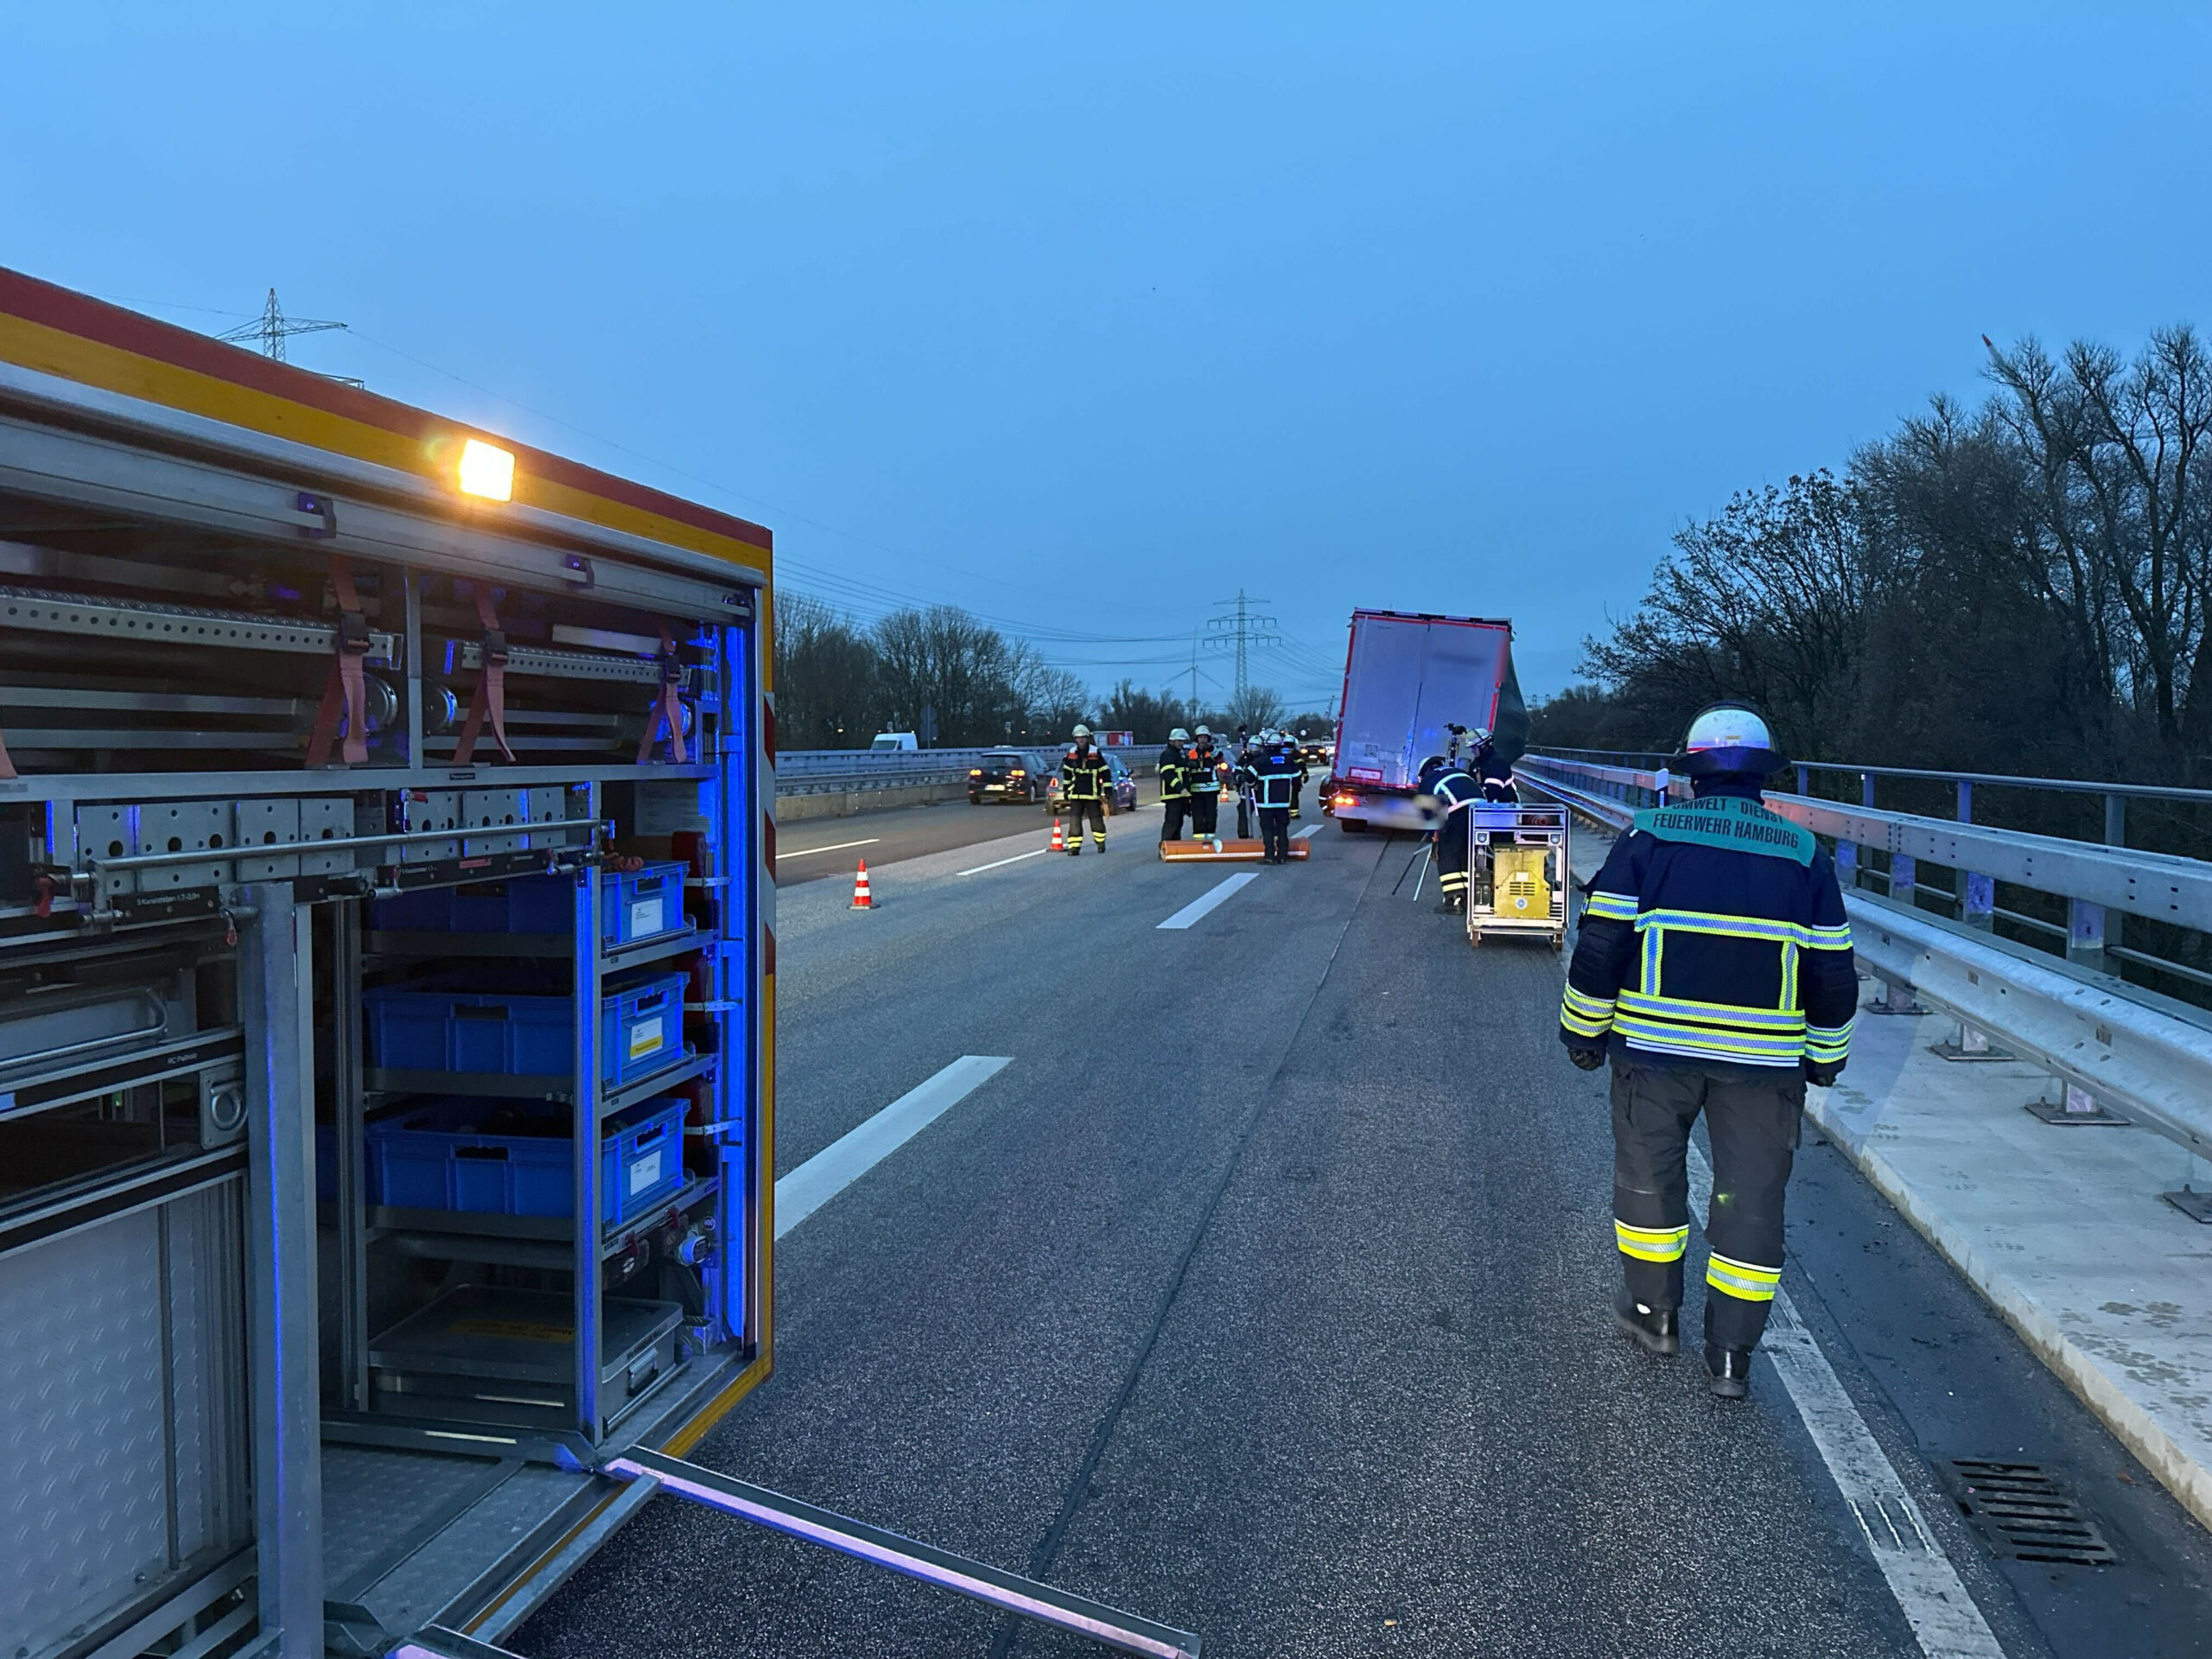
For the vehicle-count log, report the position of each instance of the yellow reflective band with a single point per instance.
(1581, 998)
(1746, 1281)
(1790, 975)
(1612, 906)
(1828, 1042)
(1727, 927)
(1651, 1243)
(1789, 1021)
(1655, 945)
(1699, 1044)
(1582, 1025)
(1829, 939)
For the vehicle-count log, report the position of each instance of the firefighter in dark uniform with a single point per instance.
(1714, 968)
(1203, 773)
(1175, 784)
(1082, 791)
(1298, 783)
(1492, 771)
(1454, 791)
(1275, 774)
(1244, 779)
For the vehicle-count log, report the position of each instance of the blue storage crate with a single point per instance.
(442, 1156)
(640, 1030)
(632, 905)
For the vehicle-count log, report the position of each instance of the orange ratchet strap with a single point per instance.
(343, 693)
(490, 697)
(668, 709)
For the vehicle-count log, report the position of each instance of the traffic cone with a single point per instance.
(1060, 842)
(860, 889)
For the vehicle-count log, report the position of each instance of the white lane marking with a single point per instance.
(1310, 829)
(852, 1155)
(1206, 900)
(1003, 862)
(1927, 1586)
(834, 847)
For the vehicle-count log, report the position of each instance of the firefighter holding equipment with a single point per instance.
(1082, 791)
(1175, 784)
(1202, 773)
(1715, 969)
(1454, 791)
(1275, 774)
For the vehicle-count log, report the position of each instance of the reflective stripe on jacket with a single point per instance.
(1715, 936)
(1204, 772)
(1174, 775)
(1276, 775)
(1083, 775)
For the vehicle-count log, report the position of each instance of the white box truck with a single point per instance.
(1409, 679)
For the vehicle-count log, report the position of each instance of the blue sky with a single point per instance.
(1087, 317)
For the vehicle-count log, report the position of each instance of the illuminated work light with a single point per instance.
(487, 470)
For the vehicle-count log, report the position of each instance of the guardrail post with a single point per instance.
(2075, 1107)
(1847, 864)
(1804, 780)
(2115, 835)
(1978, 893)
(1904, 877)
(2085, 934)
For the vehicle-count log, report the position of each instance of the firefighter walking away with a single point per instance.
(1715, 971)
(1275, 774)
(1082, 791)
(1454, 790)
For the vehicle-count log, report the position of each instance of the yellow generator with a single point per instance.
(1520, 873)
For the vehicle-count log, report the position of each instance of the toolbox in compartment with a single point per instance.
(507, 1158)
(633, 904)
(414, 1029)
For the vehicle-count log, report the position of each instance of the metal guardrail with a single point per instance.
(2112, 1041)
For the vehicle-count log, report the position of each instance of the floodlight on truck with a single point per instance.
(487, 470)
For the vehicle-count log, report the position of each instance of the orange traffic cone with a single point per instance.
(860, 889)
(1059, 841)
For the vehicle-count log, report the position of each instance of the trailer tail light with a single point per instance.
(1344, 797)
(487, 470)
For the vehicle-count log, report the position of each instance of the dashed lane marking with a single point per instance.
(1205, 901)
(1310, 829)
(834, 847)
(1003, 862)
(850, 1156)
(1927, 1586)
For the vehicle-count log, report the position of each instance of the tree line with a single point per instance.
(2019, 587)
(941, 671)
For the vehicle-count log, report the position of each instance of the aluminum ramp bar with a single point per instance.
(1000, 1589)
(435, 1642)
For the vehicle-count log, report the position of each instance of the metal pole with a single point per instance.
(584, 1146)
(349, 1115)
(2115, 835)
(276, 1002)
(411, 587)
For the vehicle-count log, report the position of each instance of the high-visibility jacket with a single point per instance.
(1083, 775)
(1276, 774)
(1204, 770)
(1715, 937)
(1454, 790)
(1174, 775)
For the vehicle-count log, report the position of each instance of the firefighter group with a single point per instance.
(1266, 773)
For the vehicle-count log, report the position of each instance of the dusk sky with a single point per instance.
(1086, 318)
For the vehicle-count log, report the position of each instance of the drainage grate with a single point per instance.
(2024, 1511)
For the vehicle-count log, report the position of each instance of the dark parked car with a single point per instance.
(1121, 788)
(1008, 775)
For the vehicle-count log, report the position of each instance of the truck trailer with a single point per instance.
(1413, 682)
(386, 990)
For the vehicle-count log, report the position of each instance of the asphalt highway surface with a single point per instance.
(1264, 1293)
(817, 848)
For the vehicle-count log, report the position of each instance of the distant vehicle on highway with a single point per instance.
(1121, 788)
(892, 742)
(1009, 775)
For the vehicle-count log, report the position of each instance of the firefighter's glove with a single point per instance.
(1822, 1074)
(1585, 1059)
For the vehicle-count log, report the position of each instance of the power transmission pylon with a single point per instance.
(1243, 631)
(272, 328)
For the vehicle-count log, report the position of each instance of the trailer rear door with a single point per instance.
(1408, 677)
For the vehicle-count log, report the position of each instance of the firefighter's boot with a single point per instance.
(1731, 1371)
(1654, 1330)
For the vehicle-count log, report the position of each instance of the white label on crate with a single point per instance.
(644, 1037)
(646, 916)
(646, 1172)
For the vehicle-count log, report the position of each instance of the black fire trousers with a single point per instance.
(1205, 812)
(1077, 810)
(1452, 853)
(1753, 1126)
(1170, 817)
(1274, 832)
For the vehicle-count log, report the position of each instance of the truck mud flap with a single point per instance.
(788, 1516)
